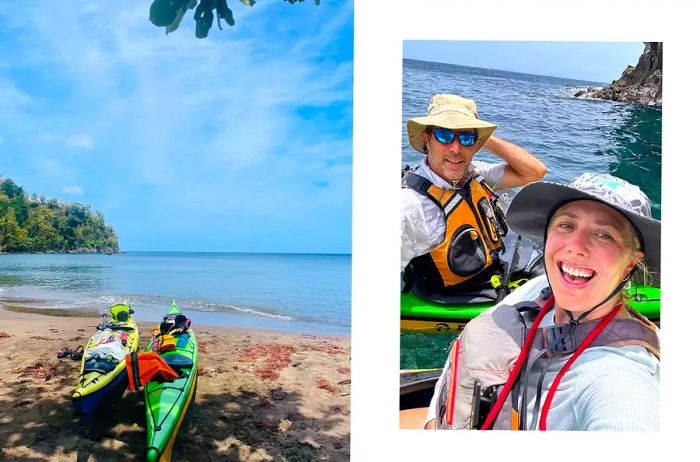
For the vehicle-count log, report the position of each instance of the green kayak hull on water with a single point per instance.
(167, 402)
(421, 315)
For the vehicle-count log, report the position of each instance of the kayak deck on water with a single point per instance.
(421, 315)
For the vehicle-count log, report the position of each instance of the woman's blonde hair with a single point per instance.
(640, 274)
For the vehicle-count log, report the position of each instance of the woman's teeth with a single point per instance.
(576, 272)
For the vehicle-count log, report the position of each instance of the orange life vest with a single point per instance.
(141, 368)
(474, 230)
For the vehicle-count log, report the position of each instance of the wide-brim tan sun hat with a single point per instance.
(534, 205)
(453, 112)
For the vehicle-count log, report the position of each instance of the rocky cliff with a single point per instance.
(640, 84)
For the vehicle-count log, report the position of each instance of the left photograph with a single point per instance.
(175, 230)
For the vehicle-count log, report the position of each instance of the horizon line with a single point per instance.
(237, 252)
(512, 72)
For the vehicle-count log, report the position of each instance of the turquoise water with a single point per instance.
(298, 293)
(570, 135)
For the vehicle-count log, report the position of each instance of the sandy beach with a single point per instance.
(262, 395)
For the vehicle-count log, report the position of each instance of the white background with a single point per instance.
(380, 28)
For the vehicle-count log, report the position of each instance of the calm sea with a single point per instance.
(298, 293)
(570, 135)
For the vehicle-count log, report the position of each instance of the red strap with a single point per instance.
(587, 341)
(453, 384)
(516, 369)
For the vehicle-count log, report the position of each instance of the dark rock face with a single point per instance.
(640, 84)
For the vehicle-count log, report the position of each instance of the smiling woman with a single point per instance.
(590, 247)
(578, 350)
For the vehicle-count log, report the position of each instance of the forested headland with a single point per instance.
(38, 224)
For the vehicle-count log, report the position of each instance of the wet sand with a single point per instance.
(261, 395)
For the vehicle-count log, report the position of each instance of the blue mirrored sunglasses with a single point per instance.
(447, 136)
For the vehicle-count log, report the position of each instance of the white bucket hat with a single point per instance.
(535, 204)
(453, 112)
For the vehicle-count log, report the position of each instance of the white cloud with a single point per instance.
(13, 97)
(49, 168)
(80, 141)
(186, 122)
(72, 190)
(14, 102)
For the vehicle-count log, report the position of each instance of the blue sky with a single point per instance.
(238, 142)
(593, 61)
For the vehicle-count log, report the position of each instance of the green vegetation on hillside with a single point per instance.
(38, 224)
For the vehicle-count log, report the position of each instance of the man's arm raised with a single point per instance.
(522, 167)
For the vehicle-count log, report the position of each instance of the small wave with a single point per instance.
(100, 303)
(112, 299)
(195, 305)
(40, 304)
(569, 92)
(216, 307)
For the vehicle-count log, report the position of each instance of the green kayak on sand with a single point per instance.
(167, 402)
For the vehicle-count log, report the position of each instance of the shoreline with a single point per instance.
(222, 329)
(35, 307)
(262, 395)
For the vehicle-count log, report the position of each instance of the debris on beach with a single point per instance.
(275, 357)
(38, 370)
(324, 384)
(323, 348)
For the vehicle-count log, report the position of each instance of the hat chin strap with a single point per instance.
(570, 315)
(575, 322)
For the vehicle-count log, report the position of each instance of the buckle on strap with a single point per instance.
(559, 339)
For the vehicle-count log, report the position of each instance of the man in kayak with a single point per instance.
(449, 241)
(589, 361)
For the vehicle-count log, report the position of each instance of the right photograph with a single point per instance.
(530, 235)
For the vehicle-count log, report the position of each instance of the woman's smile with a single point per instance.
(575, 276)
(586, 255)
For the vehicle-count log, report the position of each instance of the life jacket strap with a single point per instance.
(491, 417)
(594, 333)
(421, 185)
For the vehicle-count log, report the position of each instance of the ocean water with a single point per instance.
(570, 135)
(296, 293)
